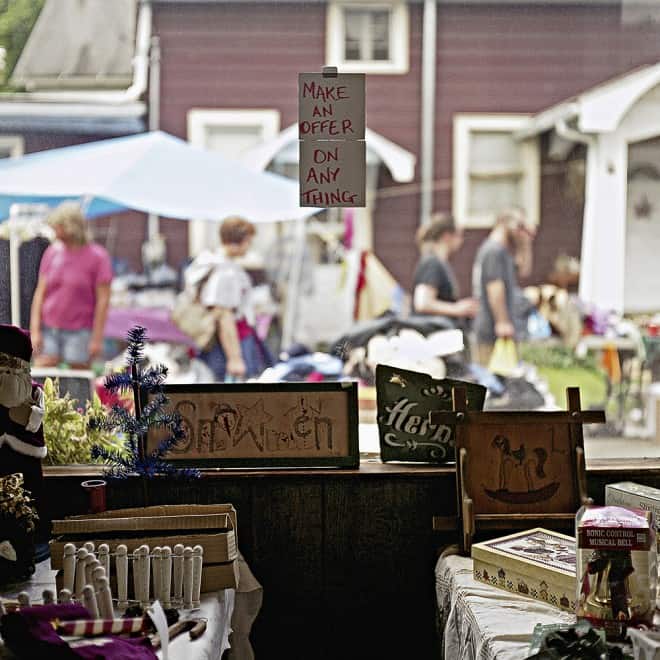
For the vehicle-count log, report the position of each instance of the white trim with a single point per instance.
(399, 162)
(140, 63)
(201, 234)
(12, 108)
(399, 35)
(464, 126)
(603, 108)
(600, 109)
(15, 144)
(23, 447)
(199, 119)
(603, 258)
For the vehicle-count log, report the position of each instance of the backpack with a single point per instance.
(195, 319)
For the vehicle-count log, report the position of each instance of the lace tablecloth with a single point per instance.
(480, 622)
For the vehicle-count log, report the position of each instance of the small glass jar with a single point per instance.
(616, 568)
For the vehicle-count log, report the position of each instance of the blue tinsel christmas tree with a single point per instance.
(144, 384)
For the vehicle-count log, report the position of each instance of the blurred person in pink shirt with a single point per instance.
(70, 303)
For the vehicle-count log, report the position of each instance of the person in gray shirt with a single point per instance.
(504, 255)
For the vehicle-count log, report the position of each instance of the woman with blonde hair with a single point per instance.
(70, 303)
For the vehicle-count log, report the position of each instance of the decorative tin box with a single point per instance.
(538, 563)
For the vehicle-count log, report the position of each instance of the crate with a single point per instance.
(211, 526)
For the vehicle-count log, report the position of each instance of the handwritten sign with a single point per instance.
(330, 171)
(331, 129)
(252, 425)
(404, 400)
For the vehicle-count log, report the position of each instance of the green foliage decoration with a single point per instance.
(556, 357)
(17, 18)
(68, 437)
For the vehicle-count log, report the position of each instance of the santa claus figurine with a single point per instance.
(22, 443)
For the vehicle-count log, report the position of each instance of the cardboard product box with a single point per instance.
(634, 496)
(616, 568)
(538, 563)
(211, 526)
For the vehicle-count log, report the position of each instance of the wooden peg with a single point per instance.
(69, 565)
(89, 601)
(156, 572)
(104, 557)
(177, 574)
(90, 564)
(166, 576)
(81, 581)
(97, 574)
(197, 561)
(142, 566)
(121, 561)
(187, 578)
(105, 599)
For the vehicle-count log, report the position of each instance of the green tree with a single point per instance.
(17, 18)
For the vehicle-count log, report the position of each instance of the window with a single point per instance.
(370, 38)
(493, 170)
(11, 146)
(231, 132)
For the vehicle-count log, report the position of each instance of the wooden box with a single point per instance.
(537, 563)
(211, 526)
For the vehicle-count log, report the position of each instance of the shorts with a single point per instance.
(70, 346)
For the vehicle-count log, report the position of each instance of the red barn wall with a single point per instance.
(490, 58)
(494, 58)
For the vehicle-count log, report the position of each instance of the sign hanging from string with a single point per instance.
(331, 131)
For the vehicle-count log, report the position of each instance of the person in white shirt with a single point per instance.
(238, 352)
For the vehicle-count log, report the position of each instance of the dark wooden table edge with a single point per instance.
(369, 467)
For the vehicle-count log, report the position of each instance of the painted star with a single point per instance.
(252, 422)
(643, 208)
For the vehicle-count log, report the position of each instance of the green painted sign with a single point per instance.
(404, 400)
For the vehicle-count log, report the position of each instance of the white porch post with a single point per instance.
(602, 269)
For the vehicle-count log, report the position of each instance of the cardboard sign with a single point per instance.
(332, 173)
(265, 425)
(331, 129)
(404, 400)
(331, 107)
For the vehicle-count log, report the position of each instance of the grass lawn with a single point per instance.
(591, 383)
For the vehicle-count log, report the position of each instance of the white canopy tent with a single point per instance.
(151, 172)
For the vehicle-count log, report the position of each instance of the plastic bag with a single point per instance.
(504, 358)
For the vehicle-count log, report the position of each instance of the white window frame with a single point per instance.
(464, 126)
(15, 144)
(202, 234)
(200, 119)
(399, 33)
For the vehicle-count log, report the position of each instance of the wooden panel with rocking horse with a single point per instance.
(515, 469)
